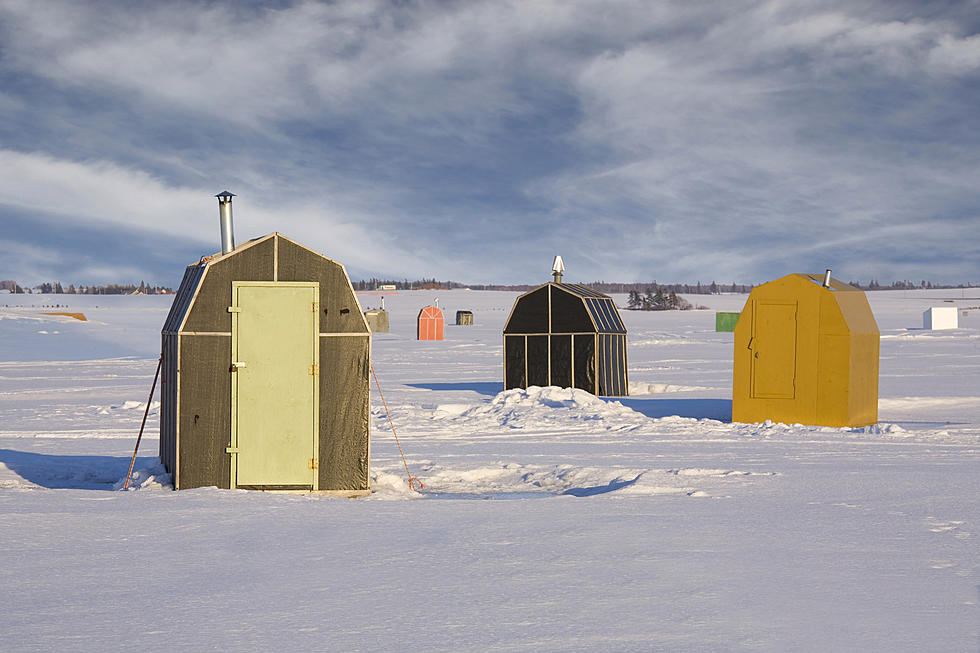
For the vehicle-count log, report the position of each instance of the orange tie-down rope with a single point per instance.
(413, 483)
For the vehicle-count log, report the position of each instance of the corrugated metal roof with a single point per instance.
(605, 315)
(580, 290)
(600, 307)
(185, 293)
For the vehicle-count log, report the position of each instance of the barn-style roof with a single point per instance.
(564, 308)
(272, 257)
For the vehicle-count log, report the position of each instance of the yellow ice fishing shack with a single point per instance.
(806, 351)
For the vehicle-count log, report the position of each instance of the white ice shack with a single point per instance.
(940, 317)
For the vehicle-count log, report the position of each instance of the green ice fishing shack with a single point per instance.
(266, 356)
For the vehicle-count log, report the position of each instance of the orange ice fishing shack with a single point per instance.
(431, 323)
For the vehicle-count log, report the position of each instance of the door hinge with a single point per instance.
(314, 463)
(314, 369)
(237, 364)
(234, 309)
(232, 450)
(316, 307)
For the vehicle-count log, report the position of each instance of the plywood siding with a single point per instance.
(210, 309)
(340, 312)
(345, 400)
(205, 412)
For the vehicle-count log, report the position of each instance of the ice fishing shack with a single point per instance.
(568, 335)
(431, 323)
(265, 365)
(806, 351)
(377, 318)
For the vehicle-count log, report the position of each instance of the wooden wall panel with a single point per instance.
(340, 311)
(205, 412)
(210, 309)
(345, 404)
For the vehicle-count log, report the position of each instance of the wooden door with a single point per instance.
(773, 348)
(275, 384)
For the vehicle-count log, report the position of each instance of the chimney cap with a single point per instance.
(557, 269)
(225, 195)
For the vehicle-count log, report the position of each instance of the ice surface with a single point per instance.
(550, 520)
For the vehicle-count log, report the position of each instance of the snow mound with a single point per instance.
(665, 341)
(390, 486)
(148, 478)
(643, 388)
(509, 480)
(878, 429)
(519, 408)
(128, 406)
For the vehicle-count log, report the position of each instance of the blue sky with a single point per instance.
(676, 141)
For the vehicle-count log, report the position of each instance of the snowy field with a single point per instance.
(550, 520)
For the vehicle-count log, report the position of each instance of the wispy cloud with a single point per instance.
(475, 140)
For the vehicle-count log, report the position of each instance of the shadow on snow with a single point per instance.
(592, 491)
(71, 472)
(490, 388)
(719, 409)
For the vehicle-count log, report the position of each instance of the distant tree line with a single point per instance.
(657, 298)
(11, 285)
(55, 288)
(609, 287)
(640, 289)
(681, 288)
(405, 284)
(906, 285)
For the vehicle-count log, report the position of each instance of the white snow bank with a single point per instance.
(647, 342)
(515, 479)
(520, 408)
(75, 434)
(931, 336)
(391, 486)
(924, 402)
(879, 429)
(128, 406)
(148, 478)
(643, 388)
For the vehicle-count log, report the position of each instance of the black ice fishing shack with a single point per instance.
(567, 335)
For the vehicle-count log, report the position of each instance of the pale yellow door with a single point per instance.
(275, 384)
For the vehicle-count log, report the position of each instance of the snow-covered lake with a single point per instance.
(550, 520)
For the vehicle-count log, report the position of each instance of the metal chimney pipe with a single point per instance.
(224, 217)
(826, 279)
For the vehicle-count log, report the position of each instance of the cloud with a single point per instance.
(26, 263)
(758, 151)
(673, 140)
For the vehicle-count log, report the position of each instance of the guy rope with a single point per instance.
(146, 412)
(413, 483)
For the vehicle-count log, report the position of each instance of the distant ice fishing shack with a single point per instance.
(266, 357)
